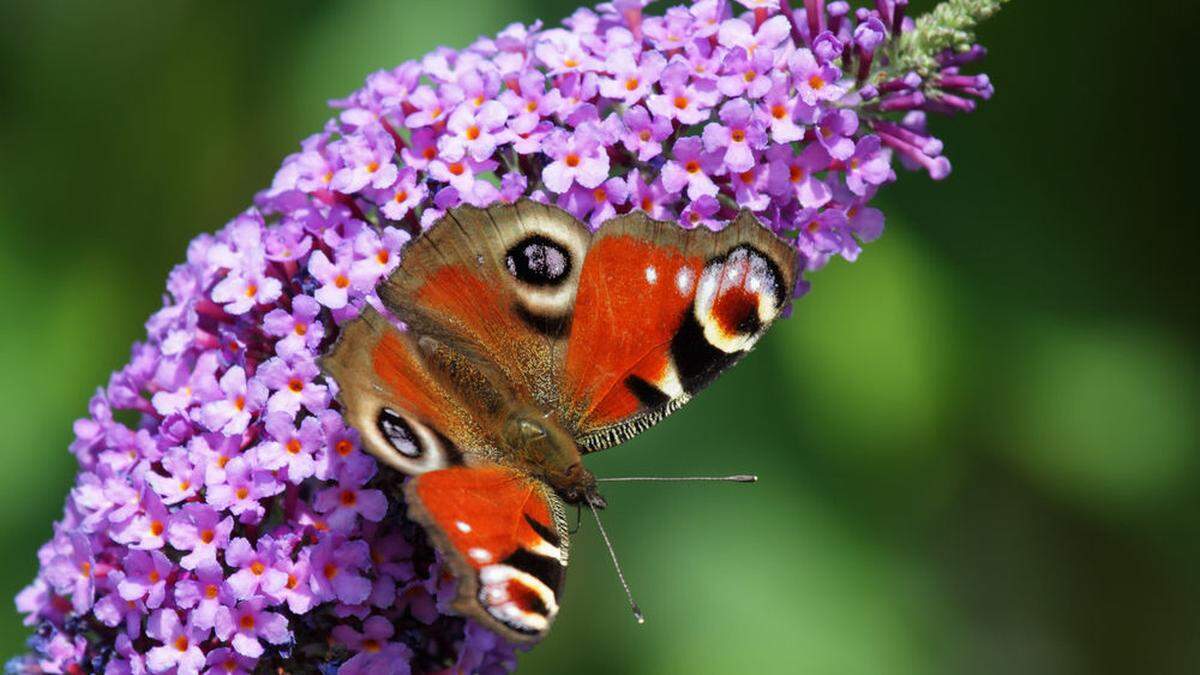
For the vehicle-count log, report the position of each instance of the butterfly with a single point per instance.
(530, 342)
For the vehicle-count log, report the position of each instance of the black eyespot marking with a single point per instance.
(773, 274)
(398, 432)
(538, 261)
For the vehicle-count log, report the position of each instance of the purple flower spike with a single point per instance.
(225, 518)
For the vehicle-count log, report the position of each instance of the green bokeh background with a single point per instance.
(978, 444)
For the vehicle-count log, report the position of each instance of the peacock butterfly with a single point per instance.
(532, 341)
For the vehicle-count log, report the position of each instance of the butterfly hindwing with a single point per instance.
(504, 536)
(404, 415)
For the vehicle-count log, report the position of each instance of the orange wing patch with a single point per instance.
(495, 527)
(486, 513)
(407, 380)
(632, 297)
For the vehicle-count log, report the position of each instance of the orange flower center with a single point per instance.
(257, 568)
(293, 446)
(240, 403)
(85, 568)
(429, 152)
(242, 492)
(570, 62)
(531, 106)
(211, 591)
(457, 168)
(572, 160)
(738, 135)
(372, 167)
(371, 646)
(292, 581)
(749, 76)
(296, 385)
(816, 82)
(207, 536)
(644, 134)
(330, 570)
(631, 84)
(181, 643)
(383, 256)
(681, 102)
(156, 527)
(247, 622)
(746, 176)
(778, 111)
(251, 290)
(796, 174)
(600, 194)
(341, 281)
(401, 196)
(472, 132)
(692, 166)
(349, 498)
(344, 447)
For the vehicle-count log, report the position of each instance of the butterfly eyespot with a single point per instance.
(398, 433)
(737, 295)
(538, 261)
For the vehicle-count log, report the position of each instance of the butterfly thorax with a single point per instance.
(547, 451)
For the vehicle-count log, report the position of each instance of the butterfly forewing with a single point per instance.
(499, 284)
(660, 312)
(505, 537)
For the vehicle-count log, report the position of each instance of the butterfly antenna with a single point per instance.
(637, 612)
(739, 478)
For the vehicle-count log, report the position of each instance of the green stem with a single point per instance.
(951, 25)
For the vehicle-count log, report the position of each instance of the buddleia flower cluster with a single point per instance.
(225, 518)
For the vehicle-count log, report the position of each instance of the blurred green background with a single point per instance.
(978, 445)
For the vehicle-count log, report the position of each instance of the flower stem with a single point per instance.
(950, 25)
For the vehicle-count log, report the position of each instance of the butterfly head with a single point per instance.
(552, 454)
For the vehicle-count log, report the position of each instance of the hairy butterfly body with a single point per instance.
(531, 341)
